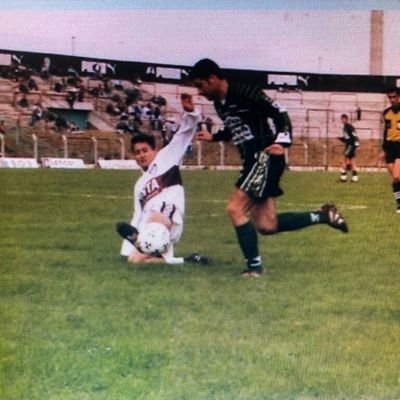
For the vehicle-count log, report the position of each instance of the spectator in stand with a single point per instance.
(73, 127)
(70, 98)
(37, 114)
(145, 111)
(32, 85)
(138, 110)
(111, 109)
(81, 94)
(132, 95)
(131, 109)
(118, 84)
(60, 123)
(106, 87)
(58, 87)
(3, 127)
(23, 102)
(155, 118)
(23, 87)
(45, 70)
(122, 127)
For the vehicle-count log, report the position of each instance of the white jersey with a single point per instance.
(160, 187)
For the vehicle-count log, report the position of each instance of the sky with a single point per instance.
(292, 35)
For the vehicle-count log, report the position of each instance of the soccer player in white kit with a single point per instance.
(159, 194)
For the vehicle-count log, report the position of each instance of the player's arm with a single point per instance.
(176, 148)
(279, 116)
(221, 135)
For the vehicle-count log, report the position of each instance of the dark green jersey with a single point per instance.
(349, 135)
(245, 113)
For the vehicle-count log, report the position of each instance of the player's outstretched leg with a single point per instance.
(335, 219)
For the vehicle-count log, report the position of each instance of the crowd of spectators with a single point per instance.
(124, 105)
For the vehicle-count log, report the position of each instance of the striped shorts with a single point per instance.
(260, 179)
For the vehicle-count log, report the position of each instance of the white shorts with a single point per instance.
(167, 209)
(170, 211)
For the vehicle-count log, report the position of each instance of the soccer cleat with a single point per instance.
(398, 210)
(253, 272)
(197, 258)
(343, 178)
(354, 178)
(335, 220)
(127, 231)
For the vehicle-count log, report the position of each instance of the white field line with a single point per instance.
(296, 206)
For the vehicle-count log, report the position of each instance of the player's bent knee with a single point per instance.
(268, 231)
(267, 226)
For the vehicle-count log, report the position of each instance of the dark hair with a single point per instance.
(344, 116)
(204, 68)
(393, 89)
(144, 138)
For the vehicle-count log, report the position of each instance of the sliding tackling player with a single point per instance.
(159, 194)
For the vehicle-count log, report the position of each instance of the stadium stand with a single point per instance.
(99, 113)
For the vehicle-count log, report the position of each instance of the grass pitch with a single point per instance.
(76, 322)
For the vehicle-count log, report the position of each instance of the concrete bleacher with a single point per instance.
(316, 124)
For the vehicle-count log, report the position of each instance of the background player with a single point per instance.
(350, 139)
(158, 193)
(245, 111)
(391, 141)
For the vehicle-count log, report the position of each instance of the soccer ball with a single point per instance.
(153, 239)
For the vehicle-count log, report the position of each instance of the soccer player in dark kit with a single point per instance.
(350, 140)
(244, 111)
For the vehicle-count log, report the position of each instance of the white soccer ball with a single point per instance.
(153, 239)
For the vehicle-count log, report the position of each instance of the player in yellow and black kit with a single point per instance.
(391, 141)
(245, 111)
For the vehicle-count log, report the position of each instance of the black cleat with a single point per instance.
(335, 219)
(198, 258)
(127, 231)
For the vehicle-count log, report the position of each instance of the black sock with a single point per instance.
(248, 241)
(291, 221)
(396, 192)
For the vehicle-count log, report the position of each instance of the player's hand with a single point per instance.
(187, 102)
(275, 149)
(204, 136)
(381, 156)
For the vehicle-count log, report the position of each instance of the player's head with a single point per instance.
(344, 118)
(207, 77)
(144, 149)
(393, 95)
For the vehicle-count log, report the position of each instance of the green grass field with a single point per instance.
(76, 322)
